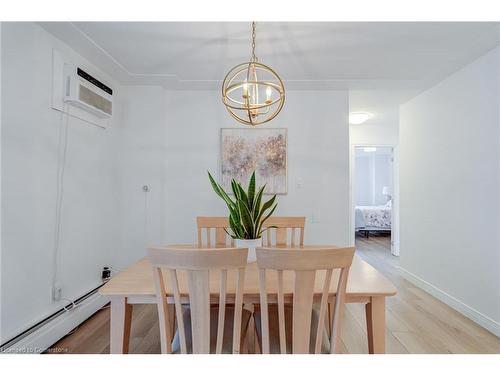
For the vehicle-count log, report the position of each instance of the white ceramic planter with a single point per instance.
(251, 245)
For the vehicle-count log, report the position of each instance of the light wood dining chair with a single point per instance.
(286, 230)
(201, 329)
(302, 318)
(211, 231)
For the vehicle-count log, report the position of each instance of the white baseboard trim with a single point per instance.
(48, 334)
(469, 312)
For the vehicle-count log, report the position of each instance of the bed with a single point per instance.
(373, 218)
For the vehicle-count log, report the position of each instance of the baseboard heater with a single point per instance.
(40, 336)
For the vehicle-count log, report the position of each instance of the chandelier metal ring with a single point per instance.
(252, 92)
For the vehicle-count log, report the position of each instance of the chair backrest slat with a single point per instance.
(199, 303)
(264, 311)
(220, 237)
(302, 310)
(281, 313)
(304, 263)
(222, 311)
(197, 265)
(238, 310)
(199, 235)
(281, 234)
(209, 231)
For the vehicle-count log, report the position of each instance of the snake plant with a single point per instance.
(247, 213)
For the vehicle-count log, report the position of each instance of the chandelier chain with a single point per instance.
(254, 58)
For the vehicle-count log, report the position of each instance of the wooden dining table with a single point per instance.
(134, 285)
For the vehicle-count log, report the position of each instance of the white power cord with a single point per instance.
(63, 142)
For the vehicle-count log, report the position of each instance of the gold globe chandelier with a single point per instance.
(252, 92)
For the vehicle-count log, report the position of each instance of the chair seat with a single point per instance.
(227, 343)
(274, 340)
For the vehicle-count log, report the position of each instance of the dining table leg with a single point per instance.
(375, 324)
(121, 320)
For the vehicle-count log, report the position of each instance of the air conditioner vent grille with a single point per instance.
(91, 98)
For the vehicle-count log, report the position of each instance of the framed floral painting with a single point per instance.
(262, 150)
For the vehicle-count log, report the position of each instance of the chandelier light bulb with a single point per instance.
(245, 89)
(268, 95)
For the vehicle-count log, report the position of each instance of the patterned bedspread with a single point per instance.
(373, 216)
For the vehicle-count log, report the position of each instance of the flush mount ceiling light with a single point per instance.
(252, 92)
(356, 118)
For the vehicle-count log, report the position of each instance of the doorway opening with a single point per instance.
(374, 196)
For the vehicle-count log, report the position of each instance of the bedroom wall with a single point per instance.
(373, 172)
(450, 183)
(32, 139)
(363, 181)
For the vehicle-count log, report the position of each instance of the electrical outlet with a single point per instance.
(106, 273)
(56, 292)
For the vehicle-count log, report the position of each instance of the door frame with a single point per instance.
(395, 193)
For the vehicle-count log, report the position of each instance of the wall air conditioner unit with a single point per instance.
(86, 92)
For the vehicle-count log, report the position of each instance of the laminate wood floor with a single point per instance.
(416, 321)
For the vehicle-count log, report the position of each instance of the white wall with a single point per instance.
(141, 151)
(32, 139)
(449, 189)
(318, 159)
